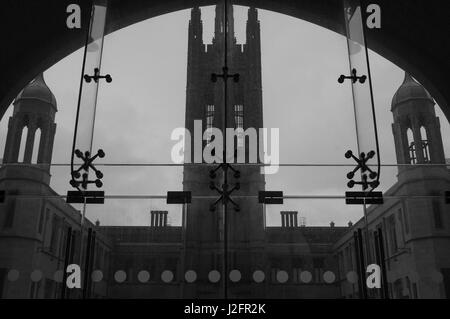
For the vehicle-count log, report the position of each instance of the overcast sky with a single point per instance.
(137, 112)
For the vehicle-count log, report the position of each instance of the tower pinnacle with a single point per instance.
(219, 26)
(416, 128)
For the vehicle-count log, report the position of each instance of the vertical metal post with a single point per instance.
(91, 264)
(381, 260)
(72, 248)
(86, 263)
(359, 251)
(183, 252)
(225, 171)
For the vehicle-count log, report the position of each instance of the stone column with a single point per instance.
(11, 154)
(165, 219)
(436, 147)
(30, 141)
(418, 141)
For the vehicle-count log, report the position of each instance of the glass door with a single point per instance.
(292, 216)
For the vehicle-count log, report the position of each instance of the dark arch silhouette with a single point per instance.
(414, 35)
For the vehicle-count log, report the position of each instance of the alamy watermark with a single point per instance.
(261, 147)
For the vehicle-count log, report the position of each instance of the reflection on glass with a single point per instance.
(87, 100)
(138, 246)
(361, 83)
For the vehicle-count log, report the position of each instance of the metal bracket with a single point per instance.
(87, 159)
(362, 165)
(353, 77)
(361, 198)
(225, 75)
(97, 76)
(85, 197)
(270, 197)
(224, 192)
(179, 197)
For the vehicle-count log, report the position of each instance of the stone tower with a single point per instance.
(34, 114)
(416, 128)
(205, 102)
(25, 179)
(423, 181)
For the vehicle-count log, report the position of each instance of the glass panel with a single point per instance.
(361, 83)
(87, 104)
(312, 163)
(150, 255)
(304, 238)
(305, 248)
(149, 246)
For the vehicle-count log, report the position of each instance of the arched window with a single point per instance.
(239, 123)
(425, 145)
(23, 143)
(423, 133)
(37, 141)
(209, 122)
(411, 146)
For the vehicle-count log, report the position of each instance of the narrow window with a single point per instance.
(415, 292)
(239, 121)
(341, 264)
(411, 147)
(209, 122)
(297, 265)
(275, 267)
(2, 281)
(129, 269)
(171, 264)
(405, 219)
(425, 148)
(398, 289)
(151, 264)
(408, 287)
(446, 274)
(54, 234)
(438, 224)
(318, 264)
(41, 220)
(37, 140)
(23, 143)
(49, 288)
(392, 234)
(401, 226)
(34, 290)
(349, 250)
(8, 222)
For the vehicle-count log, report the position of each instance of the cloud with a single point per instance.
(137, 112)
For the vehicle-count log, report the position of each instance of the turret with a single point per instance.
(31, 132)
(416, 128)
